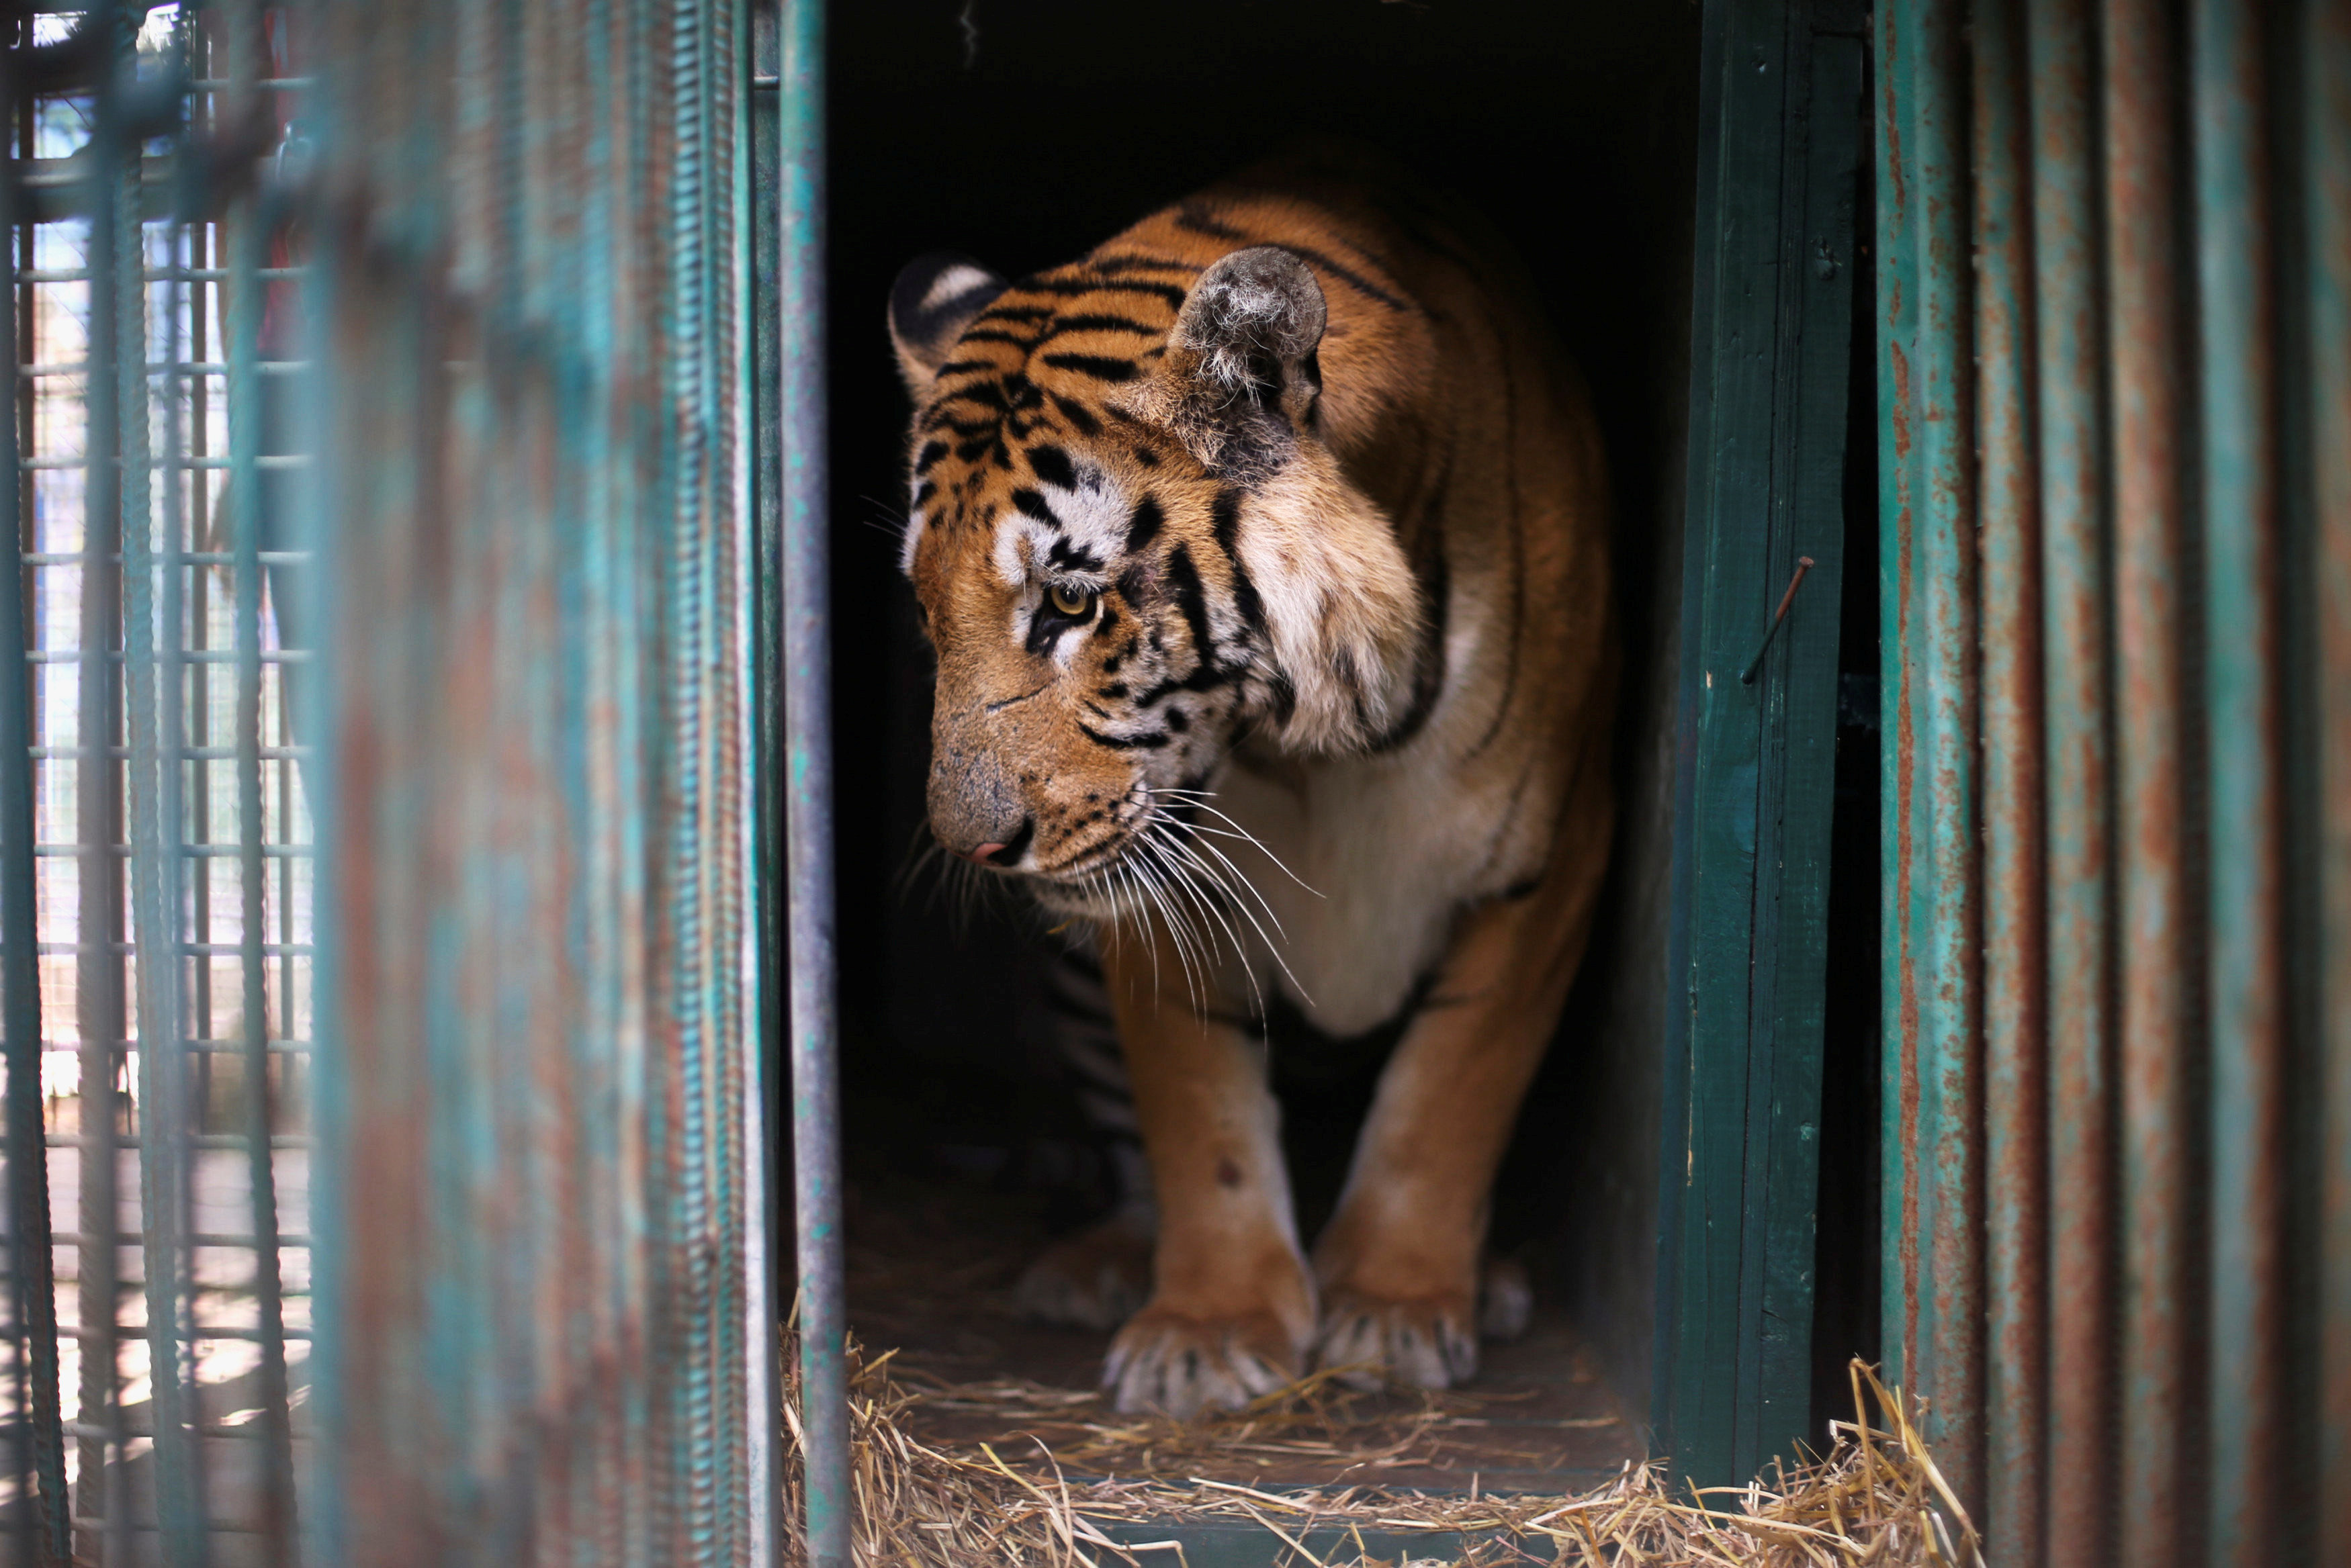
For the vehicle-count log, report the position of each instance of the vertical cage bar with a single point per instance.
(243, 246)
(807, 801)
(166, 823)
(154, 863)
(2076, 683)
(706, 1198)
(2015, 1017)
(99, 981)
(1934, 998)
(2244, 805)
(750, 610)
(2327, 117)
(45, 1515)
(2151, 653)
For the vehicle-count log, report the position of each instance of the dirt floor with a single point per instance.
(930, 1271)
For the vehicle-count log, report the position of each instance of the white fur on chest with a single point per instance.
(1390, 849)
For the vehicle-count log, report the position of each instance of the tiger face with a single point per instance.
(1134, 548)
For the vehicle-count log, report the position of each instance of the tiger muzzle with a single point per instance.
(975, 804)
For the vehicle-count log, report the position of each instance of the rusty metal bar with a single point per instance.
(2157, 950)
(1933, 997)
(2016, 1194)
(2077, 684)
(538, 1209)
(807, 800)
(2244, 884)
(2324, 49)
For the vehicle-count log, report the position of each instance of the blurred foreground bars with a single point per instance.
(542, 1276)
(384, 553)
(2114, 372)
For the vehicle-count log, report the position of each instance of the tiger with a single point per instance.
(1263, 555)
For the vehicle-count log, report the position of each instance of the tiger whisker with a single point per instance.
(1226, 886)
(1198, 898)
(1202, 801)
(1237, 876)
(1178, 929)
(1116, 881)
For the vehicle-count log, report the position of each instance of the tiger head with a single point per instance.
(1134, 548)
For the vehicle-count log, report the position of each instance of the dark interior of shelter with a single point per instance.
(1026, 134)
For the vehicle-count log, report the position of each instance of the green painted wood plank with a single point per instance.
(1778, 163)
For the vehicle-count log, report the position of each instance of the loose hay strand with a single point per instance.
(1876, 1498)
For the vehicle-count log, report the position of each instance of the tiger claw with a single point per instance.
(1428, 1343)
(1164, 1362)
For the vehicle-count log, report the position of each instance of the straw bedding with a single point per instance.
(1876, 1498)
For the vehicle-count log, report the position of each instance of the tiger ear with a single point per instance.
(932, 301)
(1251, 328)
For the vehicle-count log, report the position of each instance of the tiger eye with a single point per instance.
(1072, 602)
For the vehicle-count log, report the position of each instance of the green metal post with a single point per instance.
(807, 800)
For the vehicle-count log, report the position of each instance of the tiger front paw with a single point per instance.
(1425, 1341)
(1167, 1361)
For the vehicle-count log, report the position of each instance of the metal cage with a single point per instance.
(157, 1366)
(385, 594)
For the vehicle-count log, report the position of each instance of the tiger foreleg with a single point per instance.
(1231, 1313)
(1398, 1266)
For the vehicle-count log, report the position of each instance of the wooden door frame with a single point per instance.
(1780, 151)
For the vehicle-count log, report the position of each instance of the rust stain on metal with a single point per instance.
(2015, 926)
(1901, 414)
(1905, 752)
(2157, 951)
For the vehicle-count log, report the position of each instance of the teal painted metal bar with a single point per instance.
(540, 906)
(44, 1511)
(2152, 659)
(151, 804)
(1894, 65)
(2245, 986)
(99, 981)
(2078, 709)
(807, 795)
(748, 211)
(1934, 1311)
(2016, 1019)
(1777, 188)
(243, 239)
(2159, 1267)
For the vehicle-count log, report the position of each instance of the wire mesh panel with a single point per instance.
(544, 1329)
(157, 850)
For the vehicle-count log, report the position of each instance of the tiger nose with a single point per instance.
(1007, 853)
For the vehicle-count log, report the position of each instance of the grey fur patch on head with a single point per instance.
(1253, 318)
(1244, 348)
